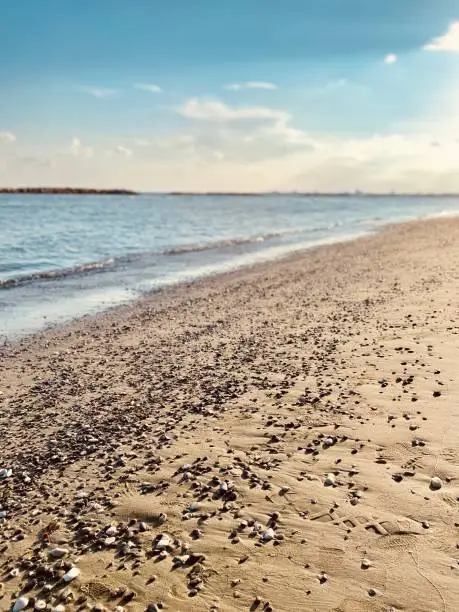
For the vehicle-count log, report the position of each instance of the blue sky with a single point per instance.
(245, 95)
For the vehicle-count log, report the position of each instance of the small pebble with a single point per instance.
(20, 604)
(435, 483)
(365, 564)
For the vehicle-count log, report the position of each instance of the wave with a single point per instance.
(441, 214)
(111, 263)
(54, 274)
(196, 248)
(151, 257)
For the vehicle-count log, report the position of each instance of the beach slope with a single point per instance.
(279, 438)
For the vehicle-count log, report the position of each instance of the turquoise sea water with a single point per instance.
(65, 256)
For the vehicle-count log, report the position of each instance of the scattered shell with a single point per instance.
(71, 574)
(20, 604)
(436, 483)
(40, 604)
(5, 473)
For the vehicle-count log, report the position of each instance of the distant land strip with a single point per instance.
(66, 191)
(208, 194)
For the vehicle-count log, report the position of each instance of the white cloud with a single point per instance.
(98, 92)
(120, 150)
(390, 59)
(251, 85)
(223, 147)
(215, 110)
(79, 150)
(447, 42)
(150, 87)
(141, 142)
(7, 137)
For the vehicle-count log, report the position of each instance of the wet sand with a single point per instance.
(280, 438)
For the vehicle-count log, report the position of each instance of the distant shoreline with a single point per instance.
(306, 194)
(65, 191)
(209, 194)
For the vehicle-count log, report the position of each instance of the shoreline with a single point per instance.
(297, 252)
(270, 433)
(301, 252)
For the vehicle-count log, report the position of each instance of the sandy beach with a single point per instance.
(281, 438)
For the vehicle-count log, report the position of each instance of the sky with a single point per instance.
(242, 95)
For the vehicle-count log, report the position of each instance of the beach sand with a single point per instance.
(263, 440)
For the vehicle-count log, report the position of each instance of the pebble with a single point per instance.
(329, 480)
(58, 553)
(5, 473)
(435, 483)
(20, 604)
(111, 531)
(58, 608)
(73, 572)
(426, 524)
(365, 564)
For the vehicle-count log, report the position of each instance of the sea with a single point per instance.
(64, 257)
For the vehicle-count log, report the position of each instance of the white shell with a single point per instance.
(40, 604)
(436, 483)
(5, 473)
(268, 535)
(71, 574)
(329, 480)
(111, 531)
(20, 604)
(164, 542)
